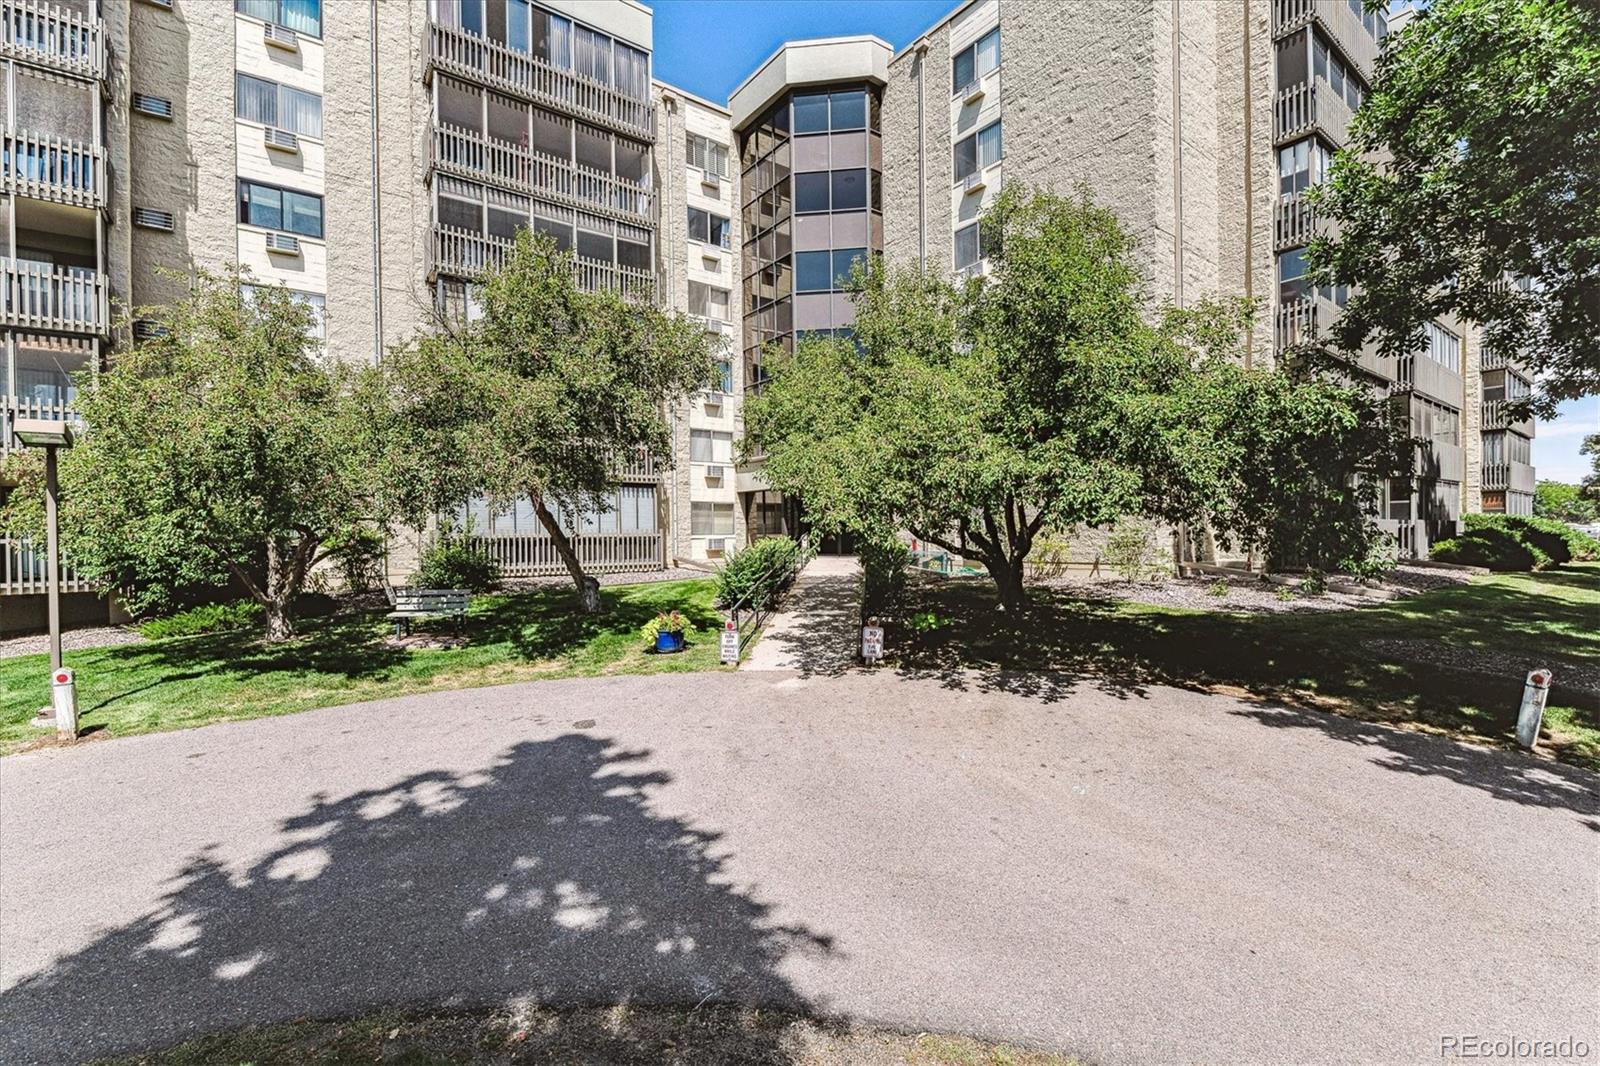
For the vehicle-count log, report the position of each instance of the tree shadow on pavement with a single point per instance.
(821, 637)
(546, 879)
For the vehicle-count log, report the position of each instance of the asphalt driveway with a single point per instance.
(1139, 877)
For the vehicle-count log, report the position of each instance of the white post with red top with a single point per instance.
(1534, 695)
(64, 698)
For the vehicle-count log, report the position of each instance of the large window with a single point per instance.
(710, 446)
(826, 271)
(832, 190)
(708, 155)
(314, 300)
(552, 38)
(975, 60)
(972, 245)
(708, 300)
(271, 104)
(302, 16)
(707, 519)
(1435, 422)
(1329, 67)
(709, 229)
(281, 209)
(978, 150)
(1443, 347)
(838, 112)
(1302, 165)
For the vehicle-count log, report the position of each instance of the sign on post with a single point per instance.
(730, 642)
(871, 641)
(1534, 694)
(64, 700)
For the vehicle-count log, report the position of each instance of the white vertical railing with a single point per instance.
(51, 36)
(44, 296)
(536, 556)
(23, 570)
(469, 154)
(52, 168)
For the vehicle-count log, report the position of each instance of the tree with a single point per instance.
(541, 396)
(1564, 503)
(1591, 481)
(1041, 397)
(1476, 156)
(222, 448)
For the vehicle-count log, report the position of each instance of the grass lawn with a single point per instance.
(614, 1036)
(190, 681)
(1352, 662)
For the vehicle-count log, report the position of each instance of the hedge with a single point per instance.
(1556, 539)
(753, 577)
(1492, 547)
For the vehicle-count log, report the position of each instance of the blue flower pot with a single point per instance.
(667, 643)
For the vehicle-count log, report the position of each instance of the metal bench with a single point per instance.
(411, 603)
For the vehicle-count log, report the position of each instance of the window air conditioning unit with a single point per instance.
(712, 182)
(144, 329)
(713, 473)
(711, 260)
(283, 37)
(717, 544)
(283, 244)
(972, 92)
(716, 327)
(153, 218)
(282, 140)
(154, 106)
(973, 182)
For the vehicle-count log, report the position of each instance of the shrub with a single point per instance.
(209, 618)
(1131, 550)
(358, 557)
(883, 568)
(1383, 555)
(753, 577)
(454, 562)
(1492, 547)
(1556, 539)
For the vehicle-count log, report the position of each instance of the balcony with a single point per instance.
(1294, 222)
(1338, 23)
(23, 571)
(1497, 415)
(467, 154)
(14, 407)
(57, 298)
(1508, 477)
(47, 36)
(530, 78)
(62, 171)
(522, 555)
(463, 253)
(1305, 320)
(1308, 106)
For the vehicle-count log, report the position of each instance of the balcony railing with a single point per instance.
(42, 167)
(1508, 477)
(1311, 105)
(23, 571)
(478, 59)
(468, 154)
(43, 34)
(44, 296)
(466, 254)
(14, 407)
(1497, 414)
(535, 556)
(1294, 222)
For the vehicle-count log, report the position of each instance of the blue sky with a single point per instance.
(709, 46)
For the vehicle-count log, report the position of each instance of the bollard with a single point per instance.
(64, 698)
(1534, 694)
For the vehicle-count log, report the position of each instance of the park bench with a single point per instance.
(413, 603)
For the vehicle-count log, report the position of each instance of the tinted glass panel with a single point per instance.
(594, 246)
(843, 260)
(849, 190)
(850, 111)
(810, 114)
(964, 70)
(810, 192)
(811, 271)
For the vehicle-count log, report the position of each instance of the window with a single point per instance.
(725, 375)
(849, 190)
(975, 60)
(314, 300)
(710, 446)
(1435, 422)
(810, 192)
(708, 155)
(709, 229)
(972, 245)
(302, 16)
(811, 113)
(1302, 165)
(592, 52)
(978, 150)
(271, 104)
(552, 39)
(598, 247)
(844, 261)
(812, 271)
(710, 519)
(1340, 78)
(1292, 284)
(280, 209)
(848, 111)
(633, 72)
(708, 301)
(1443, 347)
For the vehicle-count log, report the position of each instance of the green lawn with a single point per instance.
(190, 681)
(1320, 660)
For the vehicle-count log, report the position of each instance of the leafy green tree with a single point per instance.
(1564, 503)
(1043, 397)
(541, 396)
(224, 448)
(1476, 156)
(1591, 482)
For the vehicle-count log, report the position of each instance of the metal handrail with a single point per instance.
(760, 614)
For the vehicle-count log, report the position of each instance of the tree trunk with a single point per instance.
(280, 623)
(588, 588)
(1007, 574)
(278, 598)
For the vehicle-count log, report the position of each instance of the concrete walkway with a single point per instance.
(1157, 876)
(816, 629)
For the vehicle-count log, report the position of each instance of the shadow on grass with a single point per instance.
(546, 878)
(548, 624)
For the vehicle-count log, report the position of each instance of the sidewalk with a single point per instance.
(815, 631)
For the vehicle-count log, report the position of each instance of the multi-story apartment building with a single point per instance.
(398, 147)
